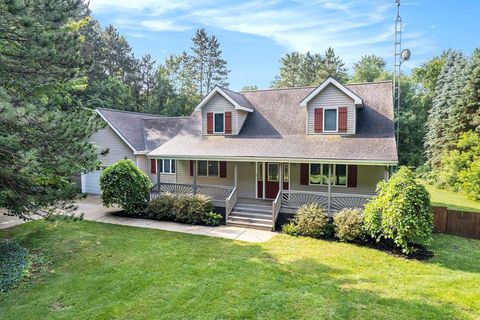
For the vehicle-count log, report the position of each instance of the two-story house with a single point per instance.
(261, 154)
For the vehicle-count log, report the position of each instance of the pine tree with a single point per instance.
(290, 70)
(447, 92)
(43, 131)
(469, 104)
(207, 66)
(334, 66)
(312, 71)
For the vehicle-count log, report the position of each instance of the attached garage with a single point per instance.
(91, 182)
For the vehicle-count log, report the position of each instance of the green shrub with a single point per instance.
(349, 225)
(14, 264)
(192, 208)
(290, 228)
(311, 221)
(400, 211)
(162, 207)
(124, 184)
(212, 219)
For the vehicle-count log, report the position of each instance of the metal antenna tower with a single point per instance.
(399, 57)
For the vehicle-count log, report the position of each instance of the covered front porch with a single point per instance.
(257, 192)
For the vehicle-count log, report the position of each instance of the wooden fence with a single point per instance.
(458, 223)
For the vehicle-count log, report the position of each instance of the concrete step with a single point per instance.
(254, 209)
(261, 226)
(236, 218)
(262, 215)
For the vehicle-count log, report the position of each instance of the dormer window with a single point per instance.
(330, 120)
(219, 123)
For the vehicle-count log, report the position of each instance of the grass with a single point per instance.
(452, 200)
(101, 271)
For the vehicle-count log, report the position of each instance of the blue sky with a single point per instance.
(255, 34)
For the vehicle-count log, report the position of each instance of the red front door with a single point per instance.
(272, 180)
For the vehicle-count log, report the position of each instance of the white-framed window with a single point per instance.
(166, 166)
(318, 174)
(330, 120)
(219, 122)
(259, 171)
(208, 168)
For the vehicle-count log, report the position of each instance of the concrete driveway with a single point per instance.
(93, 210)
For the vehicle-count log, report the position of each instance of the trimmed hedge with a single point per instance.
(14, 264)
(192, 209)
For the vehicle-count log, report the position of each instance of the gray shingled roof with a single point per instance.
(239, 98)
(143, 131)
(277, 130)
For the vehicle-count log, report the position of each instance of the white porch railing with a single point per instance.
(276, 205)
(230, 203)
(293, 199)
(219, 194)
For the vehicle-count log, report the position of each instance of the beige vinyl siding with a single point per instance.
(144, 164)
(367, 179)
(245, 176)
(330, 97)
(219, 104)
(242, 116)
(118, 149)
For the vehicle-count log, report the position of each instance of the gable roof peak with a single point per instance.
(331, 80)
(237, 99)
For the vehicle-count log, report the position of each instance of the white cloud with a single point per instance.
(351, 27)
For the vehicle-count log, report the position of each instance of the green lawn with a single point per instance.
(101, 271)
(452, 200)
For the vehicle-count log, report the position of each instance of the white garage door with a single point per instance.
(91, 182)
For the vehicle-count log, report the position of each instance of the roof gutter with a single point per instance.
(279, 159)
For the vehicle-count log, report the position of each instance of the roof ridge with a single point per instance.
(308, 87)
(134, 112)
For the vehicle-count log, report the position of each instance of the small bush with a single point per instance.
(162, 207)
(400, 211)
(14, 264)
(212, 219)
(311, 221)
(290, 229)
(192, 209)
(124, 184)
(349, 225)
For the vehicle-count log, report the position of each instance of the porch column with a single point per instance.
(329, 187)
(280, 176)
(235, 174)
(264, 178)
(194, 185)
(385, 174)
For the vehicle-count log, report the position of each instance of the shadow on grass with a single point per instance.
(109, 271)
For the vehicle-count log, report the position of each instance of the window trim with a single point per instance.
(162, 168)
(334, 168)
(223, 114)
(324, 120)
(208, 165)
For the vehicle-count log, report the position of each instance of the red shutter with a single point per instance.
(153, 166)
(191, 168)
(210, 122)
(304, 173)
(318, 119)
(352, 176)
(228, 122)
(342, 119)
(223, 169)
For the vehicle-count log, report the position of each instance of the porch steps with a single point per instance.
(249, 215)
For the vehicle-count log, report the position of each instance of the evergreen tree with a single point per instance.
(370, 68)
(43, 131)
(468, 109)
(312, 71)
(249, 88)
(290, 70)
(148, 79)
(334, 66)
(447, 93)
